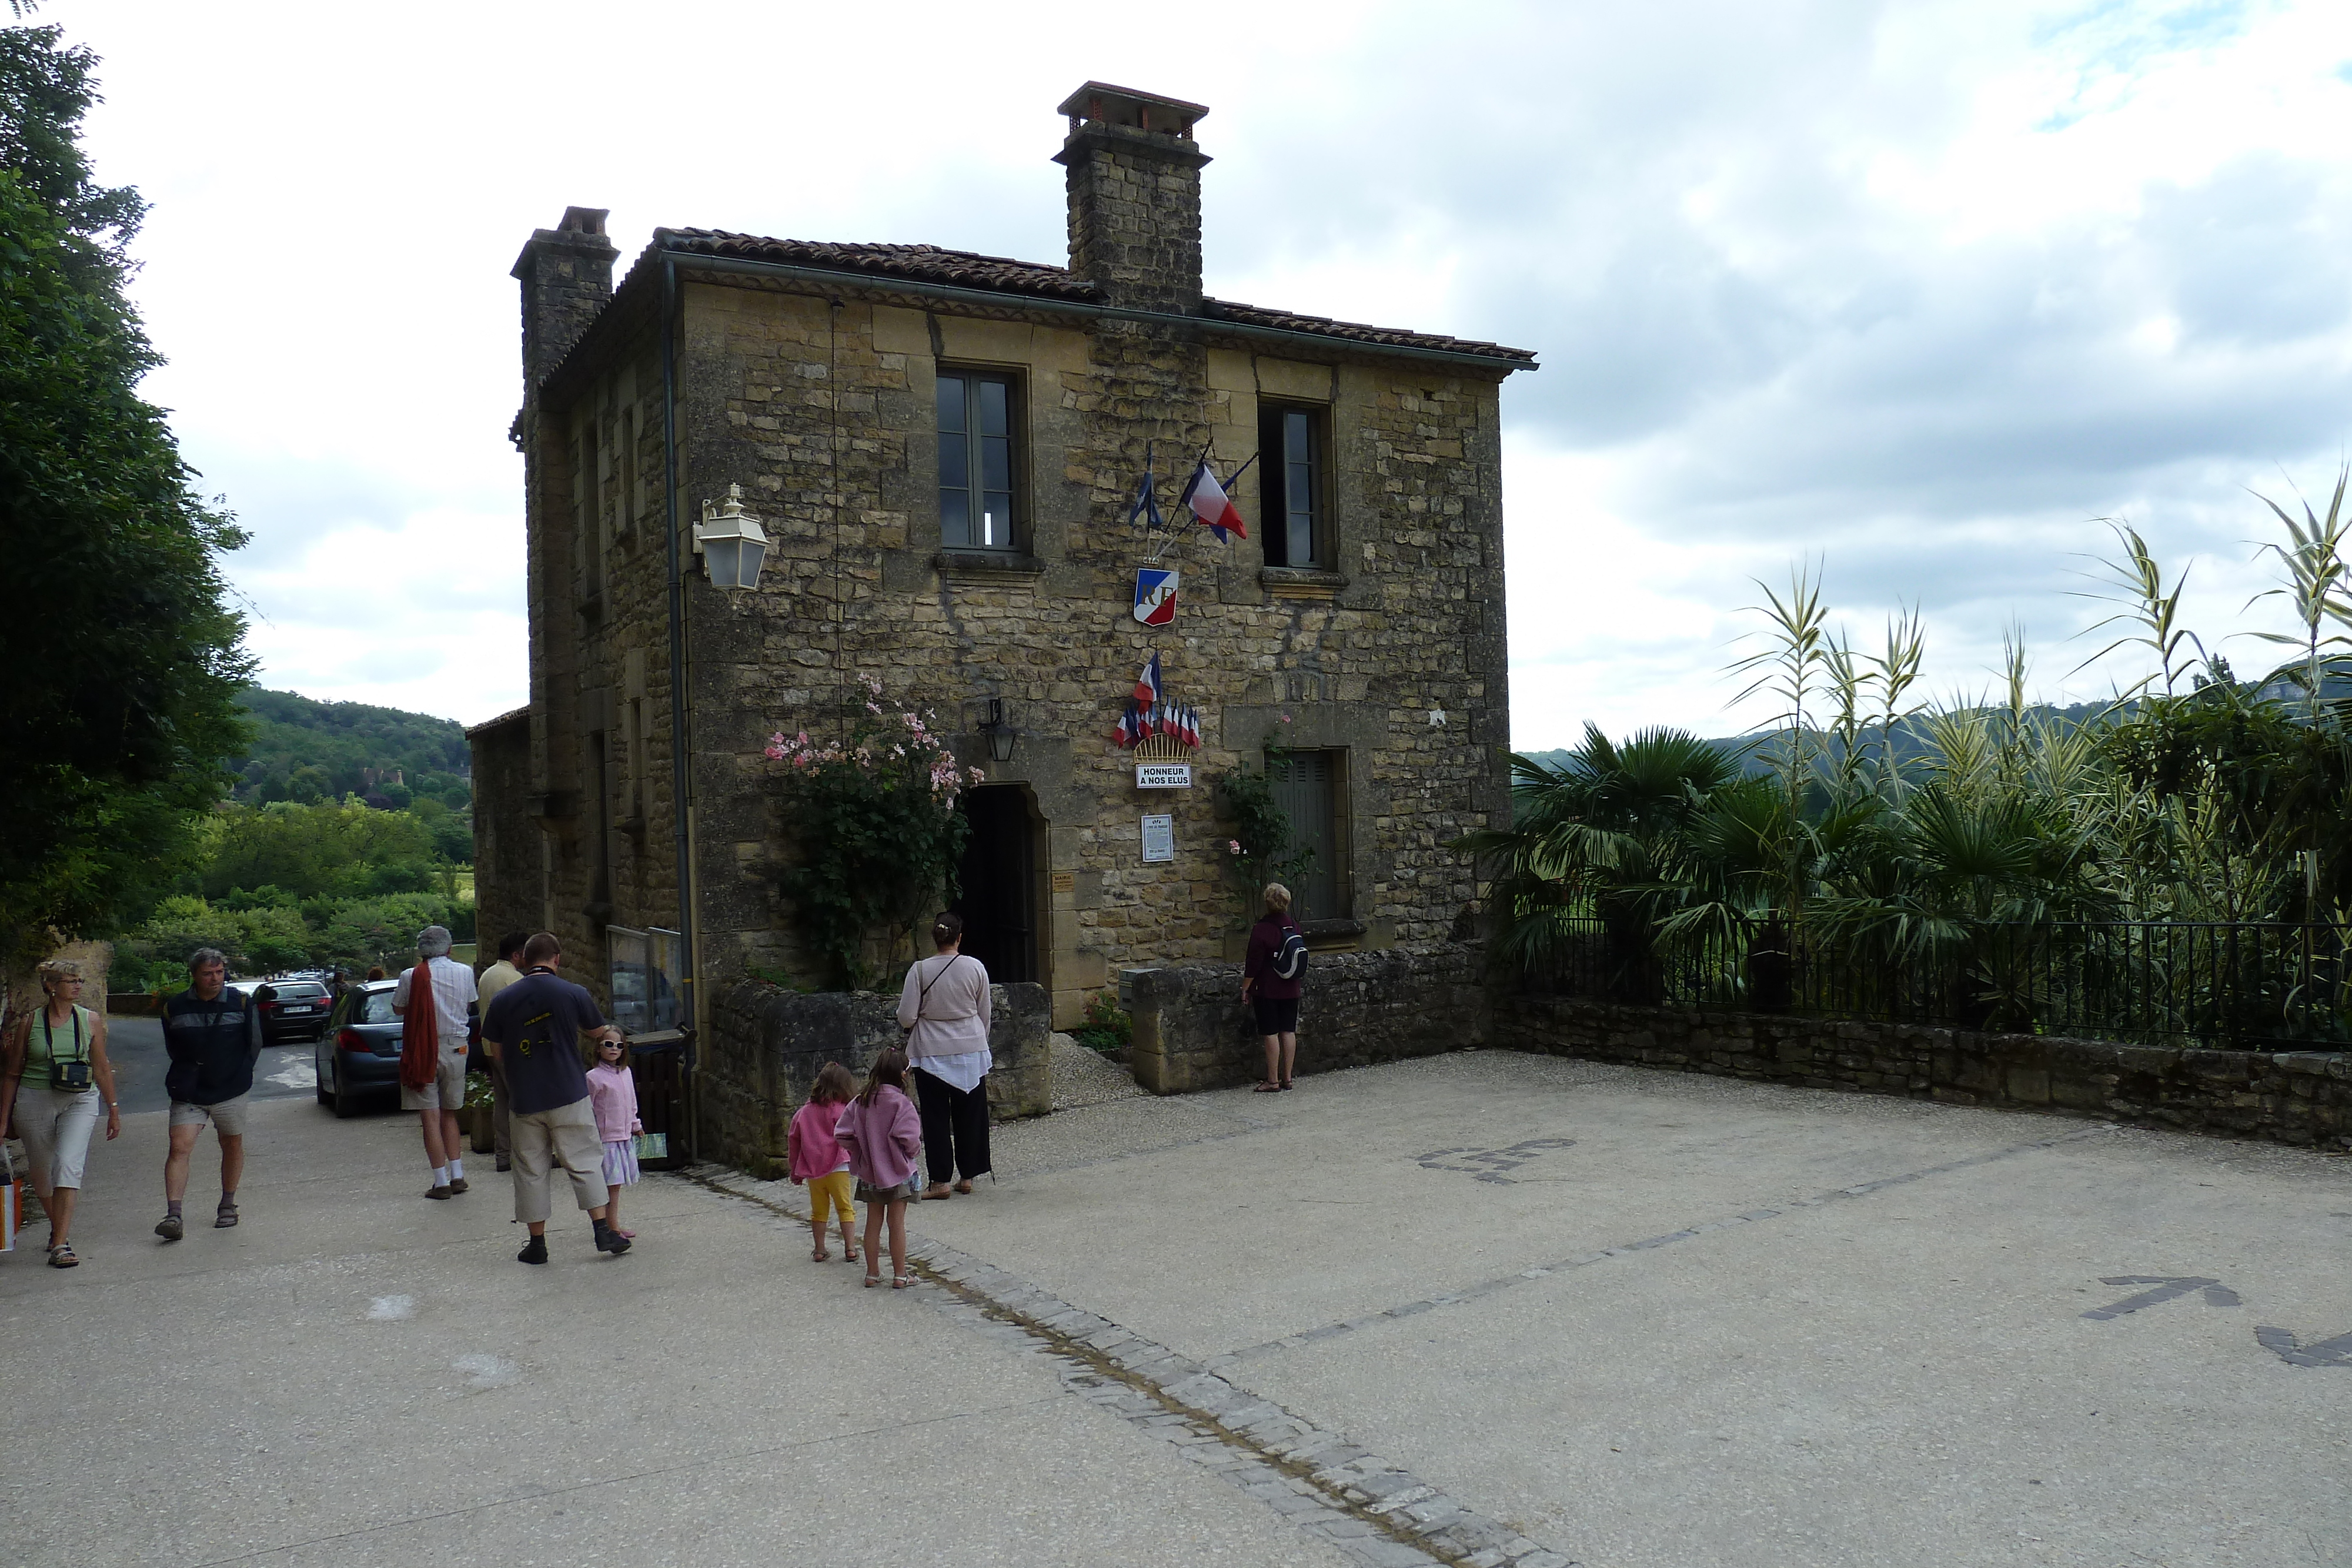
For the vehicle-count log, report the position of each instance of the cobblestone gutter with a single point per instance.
(1371, 1510)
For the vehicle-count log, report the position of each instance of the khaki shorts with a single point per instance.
(445, 1093)
(227, 1118)
(544, 1141)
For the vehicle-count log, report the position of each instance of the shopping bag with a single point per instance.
(12, 1201)
(652, 1145)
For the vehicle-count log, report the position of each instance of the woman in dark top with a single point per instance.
(1274, 999)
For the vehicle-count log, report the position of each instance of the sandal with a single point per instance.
(1266, 1086)
(872, 1279)
(903, 1282)
(849, 1255)
(61, 1256)
(820, 1255)
(964, 1187)
(935, 1192)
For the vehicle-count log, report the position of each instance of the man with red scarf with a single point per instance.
(433, 1058)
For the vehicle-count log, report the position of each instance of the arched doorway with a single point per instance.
(998, 882)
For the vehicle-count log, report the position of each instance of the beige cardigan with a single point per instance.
(951, 1017)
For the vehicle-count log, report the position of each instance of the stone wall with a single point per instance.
(507, 891)
(1192, 1032)
(766, 1045)
(2294, 1097)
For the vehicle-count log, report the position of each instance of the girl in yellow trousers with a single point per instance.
(814, 1155)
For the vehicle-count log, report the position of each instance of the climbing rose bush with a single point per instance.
(874, 816)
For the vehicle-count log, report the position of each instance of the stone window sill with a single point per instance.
(1340, 933)
(987, 564)
(1300, 582)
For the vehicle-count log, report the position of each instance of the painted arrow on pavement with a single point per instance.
(2168, 1286)
(2337, 1351)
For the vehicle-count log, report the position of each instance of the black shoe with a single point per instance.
(533, 1250)
(504, 1163)
(609, 1240)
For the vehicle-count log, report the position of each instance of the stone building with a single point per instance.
(942, 450)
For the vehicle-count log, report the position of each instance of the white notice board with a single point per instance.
(1159, 839)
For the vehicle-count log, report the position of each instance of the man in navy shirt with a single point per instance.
(534, 1028)
(213, 1035)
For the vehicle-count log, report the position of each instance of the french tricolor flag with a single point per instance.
(1211, 505)
(1147, 685)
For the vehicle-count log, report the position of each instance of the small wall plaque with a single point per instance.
(1163, 776)
(1065, 882)
(1158, 839)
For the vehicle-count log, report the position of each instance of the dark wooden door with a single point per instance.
(999, 881)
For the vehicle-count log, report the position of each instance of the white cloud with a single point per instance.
(1919, 289)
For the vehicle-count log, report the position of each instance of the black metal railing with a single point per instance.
(2231, 986)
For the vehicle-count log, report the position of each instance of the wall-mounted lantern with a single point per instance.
(1001, 735)
(730, 543)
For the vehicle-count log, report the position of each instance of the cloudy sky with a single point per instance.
(1913, 292)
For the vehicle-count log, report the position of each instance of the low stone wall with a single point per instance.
(2294, 1097)
(1192, 1032)
(766, 1046)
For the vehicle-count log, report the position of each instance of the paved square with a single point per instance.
(1500, 1308)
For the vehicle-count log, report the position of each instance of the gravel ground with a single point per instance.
(1084, 1077)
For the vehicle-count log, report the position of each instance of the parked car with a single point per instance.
(292, 1009)
(358, 1054)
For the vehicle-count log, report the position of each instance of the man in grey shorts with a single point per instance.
(213, 1036)
(438, 1102)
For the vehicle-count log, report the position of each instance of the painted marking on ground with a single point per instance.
(2337, 1351)
(1491, 1164)
(1489, 1287)
(2167, 1288)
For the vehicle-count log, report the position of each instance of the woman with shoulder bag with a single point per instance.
(52, 1072)
(1273, 977)
(945, 1005)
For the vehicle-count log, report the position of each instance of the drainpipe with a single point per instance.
(689, 981)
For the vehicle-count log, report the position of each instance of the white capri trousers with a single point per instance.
(56, 1128)
(545, 1139)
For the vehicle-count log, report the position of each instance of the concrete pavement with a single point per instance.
(135, 1047)
(1507, 1309)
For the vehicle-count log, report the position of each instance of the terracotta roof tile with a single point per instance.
(1356, 332)
(967, 269)
(924, 263)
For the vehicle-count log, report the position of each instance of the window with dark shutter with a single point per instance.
(979, 417)
(1291, 443)
(1309, 786)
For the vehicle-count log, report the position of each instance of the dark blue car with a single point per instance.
(358, 1053)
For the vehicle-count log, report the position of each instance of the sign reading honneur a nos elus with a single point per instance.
(1163, 776)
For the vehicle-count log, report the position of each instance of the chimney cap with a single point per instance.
(1099, 101)
(584, 220)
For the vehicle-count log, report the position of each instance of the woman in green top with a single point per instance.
(52, 1071)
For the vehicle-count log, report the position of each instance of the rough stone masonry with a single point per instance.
(809, 374)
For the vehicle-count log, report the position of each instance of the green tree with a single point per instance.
(335, 848)
(123, 650)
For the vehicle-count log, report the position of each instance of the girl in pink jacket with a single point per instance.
(613, 1094)
(883, 1136)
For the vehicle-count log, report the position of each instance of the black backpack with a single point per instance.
(1290, 958)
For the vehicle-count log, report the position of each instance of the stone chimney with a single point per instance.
(566, 274)
(1135, 195)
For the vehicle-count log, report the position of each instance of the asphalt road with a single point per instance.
(135, 1046)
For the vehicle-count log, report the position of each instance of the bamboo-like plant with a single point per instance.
(2318, 579)
(2146, 605)
(1794, 668)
